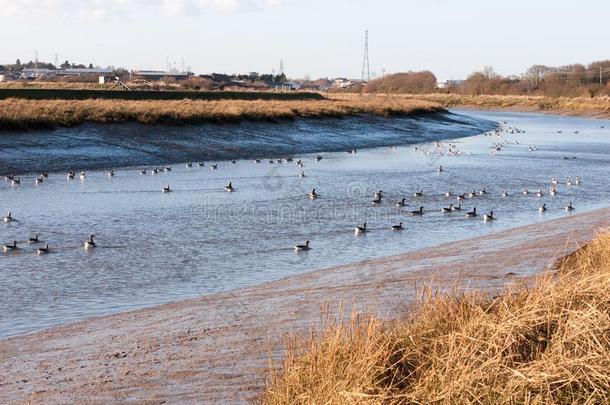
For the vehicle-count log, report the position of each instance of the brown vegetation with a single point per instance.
(410, 82)
(23, 114)
(546, 344)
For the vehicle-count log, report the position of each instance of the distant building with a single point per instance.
(83, 71)
(6, 77)
(444, 84)
(286, 86)
(35, 73)
(341, 83)
(158, 75)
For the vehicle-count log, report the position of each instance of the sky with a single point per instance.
(314, 38)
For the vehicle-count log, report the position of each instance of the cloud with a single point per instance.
(100, 9)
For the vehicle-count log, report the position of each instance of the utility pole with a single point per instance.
(366, 72)
(601, 82)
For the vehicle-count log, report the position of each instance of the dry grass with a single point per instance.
(23, 114)
(543, 345)
(595, 107)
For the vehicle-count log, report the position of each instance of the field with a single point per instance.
(545, 344)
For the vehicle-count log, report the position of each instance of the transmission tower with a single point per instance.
(281, 67)
(366, 69)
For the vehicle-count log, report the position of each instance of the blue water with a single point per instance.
(155, 247)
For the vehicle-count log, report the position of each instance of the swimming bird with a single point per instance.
(525, 191)
(440, 169)
(418, 193)
(229, 188)
(489, 217)
(34, 239)
(70, 175)
(568, 181)
(398, 227)
(456, 207)
(577, 180)
(143, 172)
(166, 189)
(16, 181)
(167, 169)
(9, 248)
(448, 193)
(189, 165)
(447, 209)
(83, 175)
(214, 166)
(360, 229)
(201, 164)
(318, 158)
(39, 180)
(539, 193)
(313, 195)
(420, 211)
(8, 217)
(402, 203)
(43, 250)
(378, 194)
(552, 191)
(484, 191)
(569, 207)
(377, 199)
(257, 160)
(155, 170)
(461, 197)
(473, 213)
(233, 162)
(299, 248)
(554, 181)
(302, 174)
(542, 208)
(111, 173)
(89, 243)
(505, 194)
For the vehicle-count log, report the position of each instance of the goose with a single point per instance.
(229, 188)
(402, 203)
(214, 167)
(16, 181)
(461, 197)
(143, 172)
(257, 160)
(360, 229)
(34, 239)
(9, 177)
(560, 131)
(473, 213)
(489, 217)
(569, 207)
(539, 193)
(525, 191)
(472, 194)
(278, 160)
(456, 208)
(167, 169)
(552, 191)
(299, 248)
(201, 164)
(440, 169)
(89, 243)
(420, 211)
(189, 165)
(376, 201)
(542, 208)
(398, 227)
(318, 158)
(70, 175)
(554, 181)
(379, 194)
(568, 181)
(8, 217)
(270, 161)
(302, 174)
(166, 189)
(484, 191)
(447, 209)
(9, 248)
(39, 180)
(44, 174)
(313, 195)
(233, 162)
(505, 194)
(576, 132)
(418, 193)
(448, 193)
(43, 250)
(111, 173)
(156, 170)
(83, 175)
(577, 180)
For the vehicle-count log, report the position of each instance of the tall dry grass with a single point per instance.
(549, 344)
(22, 114)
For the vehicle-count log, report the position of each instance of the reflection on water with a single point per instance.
(155, 247)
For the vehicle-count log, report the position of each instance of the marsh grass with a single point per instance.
(18, 113)
(546, 344)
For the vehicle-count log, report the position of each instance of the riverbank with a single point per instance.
(217, 348)
(23, 114)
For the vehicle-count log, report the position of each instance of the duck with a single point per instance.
(552, 191)
(299, 248)
(34, 239)
(568, 181)
(420, 211)
(456, 207)
(166, 189)
(8, 217)
(539, 193)
(214, 167)
(447, 209)
(16, 181)
(483, 191)
(256, 160)
(398, 227)
(525, 191)
(504, 193)
(489, 217)
(554, 181)
(461, 197)
(143, 172)
(313, 195)
(229, 188)
(43, 250)
(440, 169)
(233, 162)
(577, 180)
(89, 243)
(377, 199)
(155, 170)
(542, 208)
(270, 161)
(10, 247)
(473, 213)
(39, 180)
(418, 193)
(402, 203)
(318, 158)
(472, 194)
(9, 177)
(201, 164)
(379, 194)
(360, 229)
(70, 175)
(302, 174)
(569, 207)
(167, 169)
(448, 193)
(111, 173)
(189, 165)
(83, 175)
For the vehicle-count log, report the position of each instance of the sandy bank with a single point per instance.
(215, 348)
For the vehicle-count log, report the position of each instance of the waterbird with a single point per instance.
(8, 217)
(70, 175)
(472, 214)
(83, 175)
(214, 166)
(9, 248)
(201, 164)
(34, 239)
(554, 181)
(257, 160)
(89, 243)
(505, 194)
(143, 172)
(166, 189)
(489, 217)
(167, 169)
(111, 173)
(569, 207)
(44, 174)
(539, 193)
(418, 193)
(447, 209)
(440, 169)
(542, 208)
(568, 181)
(188, 165)
(318, 158)
(299, 248)
(377, 200)
(233, 161)
(302, 174)
(420, 211)
(483, 191)
(402, 203)
(577, 180)
(448, 193)
(43, 250)
(461, 197)
(360, 229)
(525, 191)
(39, 180)
(313, 195)
(16, 181)
(456, 207)
(397, 227)
(472, 194)
(229, 188)
(552, 191)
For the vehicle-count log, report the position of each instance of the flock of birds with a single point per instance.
(450, 149)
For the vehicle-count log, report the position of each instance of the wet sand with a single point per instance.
(216, 348)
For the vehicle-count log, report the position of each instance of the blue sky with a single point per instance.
(317, 38)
